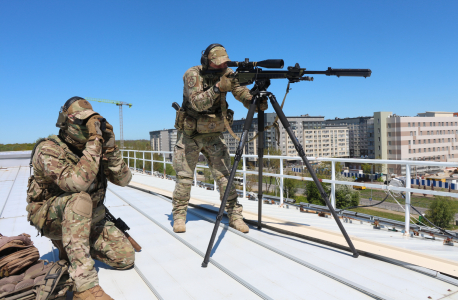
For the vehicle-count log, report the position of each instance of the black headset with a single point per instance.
(63, 115)
(204, 58)
(70, 102)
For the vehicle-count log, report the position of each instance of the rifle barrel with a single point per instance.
(342, 72)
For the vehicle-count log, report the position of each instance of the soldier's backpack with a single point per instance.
(16, 254)
(41, 281)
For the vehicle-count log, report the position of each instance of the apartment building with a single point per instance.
(251, 147)
(430, 136)
(361, 135)
(163, 140)
(316, 138)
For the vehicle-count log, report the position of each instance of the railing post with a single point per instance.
(165, 165)
(407, 217)
(333, 185)
(143, 161)
(128, 158)
(135, 160)
(214, 184)
(195, 177)
(281, 181)
(244, 176)
(152, 163)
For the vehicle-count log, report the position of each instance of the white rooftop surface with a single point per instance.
(365, 230)
(172, 269)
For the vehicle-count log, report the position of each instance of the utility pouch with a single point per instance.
(34, 191)
(179, 120)
(210, 123)
(98, 214)
(189, 125)
(230, 116)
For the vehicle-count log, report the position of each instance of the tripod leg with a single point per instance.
(260, 161)
(238, 156)
(301, 153)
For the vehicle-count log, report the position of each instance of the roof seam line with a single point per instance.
(216, 264)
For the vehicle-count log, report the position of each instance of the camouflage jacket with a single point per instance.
(58, 170)
(198, 94)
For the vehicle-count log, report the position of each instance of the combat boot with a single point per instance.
(239, 225)
(179, 225)
(95, 293)
(62, 253)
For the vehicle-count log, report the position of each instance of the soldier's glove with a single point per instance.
(263, 105)
(109, 139)
(93, 126)
(225, 84)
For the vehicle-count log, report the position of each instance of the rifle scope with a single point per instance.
(268, 63)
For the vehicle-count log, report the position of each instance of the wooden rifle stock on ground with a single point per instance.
(121, 225)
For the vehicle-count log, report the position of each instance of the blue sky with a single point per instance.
(138, 51)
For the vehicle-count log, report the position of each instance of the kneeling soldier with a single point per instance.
(65, 195)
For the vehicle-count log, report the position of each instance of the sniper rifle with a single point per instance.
(248, 72)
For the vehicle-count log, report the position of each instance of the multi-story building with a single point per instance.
(316, 138)
(430, 136)
(163, 140)
(361, 134)
(251, 147)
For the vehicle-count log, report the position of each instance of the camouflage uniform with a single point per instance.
(65, 197)
(199, 101)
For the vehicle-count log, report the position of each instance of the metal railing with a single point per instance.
(407, 163)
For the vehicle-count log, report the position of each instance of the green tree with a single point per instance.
(271, 166)
(328, 165)
(442, 211)
(289, 187)
(367, 168)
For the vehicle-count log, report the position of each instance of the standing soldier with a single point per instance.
(200, 123)
(65, 195)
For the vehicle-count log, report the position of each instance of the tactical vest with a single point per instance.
(209, 121)
(41, 190)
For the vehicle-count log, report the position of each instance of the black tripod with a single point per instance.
(260, 92)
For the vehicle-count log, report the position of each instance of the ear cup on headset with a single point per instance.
(204, 58)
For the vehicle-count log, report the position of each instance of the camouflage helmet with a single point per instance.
(76, 108)
(218, 55)
(214, 53)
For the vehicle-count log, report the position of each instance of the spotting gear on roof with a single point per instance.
(16, 253)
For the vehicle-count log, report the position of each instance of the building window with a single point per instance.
(419, 150)
(389, 151)
(413, 124)
(421, 132)
(414, 142)
(434, 123)
(413, 150)
(434, 149)
(379, 148)
(379, 139)
(429, 149)
(409, 124)
(410, 150)
(378, 120)
(389, 133)
(409, 142)
(411, 133)
(389, 143)
(428, 132)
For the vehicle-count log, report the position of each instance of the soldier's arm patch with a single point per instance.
(192, 81)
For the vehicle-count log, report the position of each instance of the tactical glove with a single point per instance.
(225, 84)
(109, 139)
(93, 126)
(263, 105)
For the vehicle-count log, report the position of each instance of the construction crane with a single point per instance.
(120, 104)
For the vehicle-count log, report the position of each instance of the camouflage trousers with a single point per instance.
(84, 241)
(186, 155)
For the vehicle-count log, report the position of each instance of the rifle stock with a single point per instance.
(133, 242)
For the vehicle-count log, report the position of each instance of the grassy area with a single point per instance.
(381, 214)
(415, 199)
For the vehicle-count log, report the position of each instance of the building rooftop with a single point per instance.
(263, 264)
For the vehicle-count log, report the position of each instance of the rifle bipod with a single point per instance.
(259, 92)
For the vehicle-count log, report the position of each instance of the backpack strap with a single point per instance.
(51, 279)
